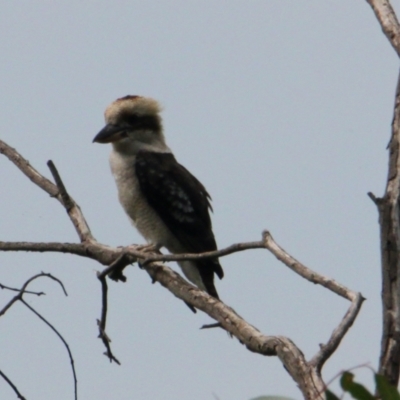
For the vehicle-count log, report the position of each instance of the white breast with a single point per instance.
(142, 215)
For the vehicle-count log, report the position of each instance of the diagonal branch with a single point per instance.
(72, 208)
(308, 379)
(387, 18)
(18, 290)
(326, 350)
(306, 374)
(71, 359)
(28, 170)
(7, 379)
(19, 297)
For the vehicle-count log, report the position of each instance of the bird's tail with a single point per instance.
(207, 268)
(201, 273)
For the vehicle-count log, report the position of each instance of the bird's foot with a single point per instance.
(147, 248)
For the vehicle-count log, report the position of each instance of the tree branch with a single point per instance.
(389, 219)
(71, 359)
(17, 392)
(28, 170)
(104, 307)
(356, 298)
(18, 290)
(19, 297)
(306, 374)
(387, 18)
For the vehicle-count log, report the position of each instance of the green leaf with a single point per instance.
(385, 389)
(330, 395)
(357, 391)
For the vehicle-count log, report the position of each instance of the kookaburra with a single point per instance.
(164, 201)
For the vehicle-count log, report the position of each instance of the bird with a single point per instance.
(168, 205)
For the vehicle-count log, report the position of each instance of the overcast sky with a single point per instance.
(281, 108)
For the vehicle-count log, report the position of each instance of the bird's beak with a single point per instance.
(110, 133)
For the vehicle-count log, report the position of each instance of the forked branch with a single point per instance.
(389, 218)
(20, 297)
(307, 374)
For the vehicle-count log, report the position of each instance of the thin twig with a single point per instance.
(62, 339)
(102, 276)
(22, 291)
(66, 198)
(210, 326)
(72, 208)
(19, 297)
(18, 290)
(55, 279)
(234, 248)
(375, 199)
(7, 379)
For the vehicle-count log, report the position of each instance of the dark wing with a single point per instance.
(183, 204)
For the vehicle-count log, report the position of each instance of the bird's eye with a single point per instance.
(124, 134)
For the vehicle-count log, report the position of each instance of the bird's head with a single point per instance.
(133, 123)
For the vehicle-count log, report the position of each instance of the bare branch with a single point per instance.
(356, 298)
(41, 247)
(389, 221)
(304, 271)
(28, 170)
(17, 392)
(62, 339)
(104, 307)
(90, 249)
(131, 254)
(375, 199)
(73, 210)
(210, 326)
(23, 290)
(18, 290)
(234, 248)
(326, 350)
(308, 379)
(306, 374)
(19, 297)
(66, 198)
(387, 18)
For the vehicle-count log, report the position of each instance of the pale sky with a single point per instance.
(281, 108)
